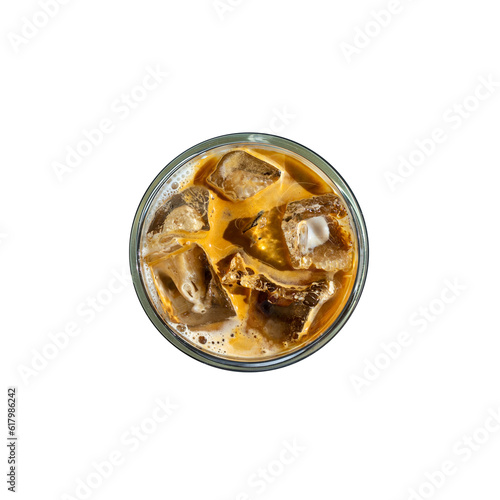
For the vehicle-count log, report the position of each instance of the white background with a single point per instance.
(234, 70)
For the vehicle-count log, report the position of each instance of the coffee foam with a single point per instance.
(224, 341)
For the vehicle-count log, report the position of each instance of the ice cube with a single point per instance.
(190, 289)
(240, 175)
(282, 321)
(282, 312)
(318, 233)
(261, 236)
(240, 274)
(185, 211)
(241, 261)
(159, 245)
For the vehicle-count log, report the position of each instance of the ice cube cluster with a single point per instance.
(280, 264)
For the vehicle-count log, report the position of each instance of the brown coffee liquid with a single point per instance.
(266, 322)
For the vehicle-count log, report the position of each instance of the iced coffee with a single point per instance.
(248, 252)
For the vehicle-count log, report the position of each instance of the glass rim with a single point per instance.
(308, 348)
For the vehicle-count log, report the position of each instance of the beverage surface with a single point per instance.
(249, 252)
